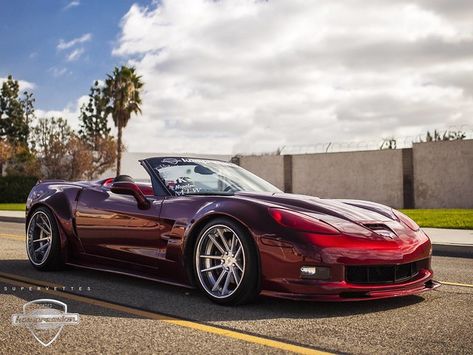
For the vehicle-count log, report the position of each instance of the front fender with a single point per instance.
(252, 215)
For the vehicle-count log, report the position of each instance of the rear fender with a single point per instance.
(61, 199)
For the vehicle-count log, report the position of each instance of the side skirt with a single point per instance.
(118, 272)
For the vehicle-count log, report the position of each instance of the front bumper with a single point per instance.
(342, 291)
(281, 268)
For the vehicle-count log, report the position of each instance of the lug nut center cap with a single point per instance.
(228, 261)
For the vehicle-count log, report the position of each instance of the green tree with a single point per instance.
(60, 151)
(95, 133)
(93, 117)
(23, 162)
(122, 89)
(16, 113)
(6, 151)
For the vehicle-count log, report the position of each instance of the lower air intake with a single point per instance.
(386, 274)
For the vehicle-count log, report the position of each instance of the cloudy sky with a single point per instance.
(235, 76)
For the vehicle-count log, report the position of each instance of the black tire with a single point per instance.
(53, 260)
(248, 288)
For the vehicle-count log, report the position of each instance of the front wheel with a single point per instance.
(226, 263)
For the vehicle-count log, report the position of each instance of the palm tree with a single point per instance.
(122, 89)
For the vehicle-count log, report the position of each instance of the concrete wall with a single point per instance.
(430, 175)
(369, 175)
(268, 167)
(443, 174)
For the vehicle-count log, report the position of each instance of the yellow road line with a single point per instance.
(31, 281)
(455, 284)
(12, 236)
(171, 320)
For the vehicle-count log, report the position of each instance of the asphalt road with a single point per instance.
(120, 314)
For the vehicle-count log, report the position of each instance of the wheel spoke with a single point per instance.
(41, 239)
(45, 224)
(219, 266)
(237, 254)
(220, 278)
(215, 257)
(41, 247)
(235, 276)
(222, 237)
(239, 266)
(43, 229)
(225, 285)
(214, 241)
(232, 246)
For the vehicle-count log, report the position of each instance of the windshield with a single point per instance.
(184, 176)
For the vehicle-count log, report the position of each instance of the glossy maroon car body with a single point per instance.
(104, 230)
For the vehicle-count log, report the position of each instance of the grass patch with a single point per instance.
(442, 218)
(433, 218)
(12, 206)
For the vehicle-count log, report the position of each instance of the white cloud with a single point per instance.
(75, 54)
(24, 85)
(71, 112)
(73, 48)
(245, 76)
(73, 3)
(74, 42)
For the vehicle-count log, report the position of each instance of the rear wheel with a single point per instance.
(225, 263)
(42, 240)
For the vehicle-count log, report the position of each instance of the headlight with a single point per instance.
(406, 220)
(301, 222)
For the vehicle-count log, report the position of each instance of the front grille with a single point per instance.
(386, 274)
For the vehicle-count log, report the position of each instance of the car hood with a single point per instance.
(346, 215)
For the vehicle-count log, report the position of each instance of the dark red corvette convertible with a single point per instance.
(217, 226)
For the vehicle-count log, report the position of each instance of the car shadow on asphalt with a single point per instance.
(178, 301)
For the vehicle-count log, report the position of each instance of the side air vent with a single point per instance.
(381, 229)
(377, 226)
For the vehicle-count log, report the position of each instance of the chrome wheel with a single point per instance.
(220, 261)
(39, 238)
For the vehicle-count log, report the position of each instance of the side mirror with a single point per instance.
(130, 188)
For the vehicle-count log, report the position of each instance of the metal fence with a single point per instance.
(382, 143)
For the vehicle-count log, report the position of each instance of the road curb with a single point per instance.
(12, 219)
(453, 250)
